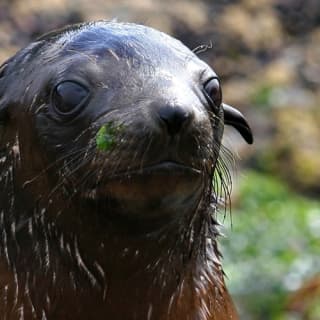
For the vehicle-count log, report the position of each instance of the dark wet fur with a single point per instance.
(20, 229)
(52, 267)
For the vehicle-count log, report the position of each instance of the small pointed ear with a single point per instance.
(236, 119)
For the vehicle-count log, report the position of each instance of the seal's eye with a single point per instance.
(69, 96)
(213, 91)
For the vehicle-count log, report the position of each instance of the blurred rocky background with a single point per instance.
(267, 53)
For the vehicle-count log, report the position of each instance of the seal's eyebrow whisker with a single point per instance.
(202, 48)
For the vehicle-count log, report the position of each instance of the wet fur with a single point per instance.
(50, 268)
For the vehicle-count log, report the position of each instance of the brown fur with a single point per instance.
(69, 248)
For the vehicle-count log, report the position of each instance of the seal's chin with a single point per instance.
(160, 189)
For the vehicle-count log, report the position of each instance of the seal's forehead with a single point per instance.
(125, 39)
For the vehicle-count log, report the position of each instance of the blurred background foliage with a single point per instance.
(267, 53)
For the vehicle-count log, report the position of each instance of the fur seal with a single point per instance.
(110, 139)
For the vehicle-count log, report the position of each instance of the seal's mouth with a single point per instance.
(159, 169)
(166, 184)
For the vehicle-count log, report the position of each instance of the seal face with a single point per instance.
(124, 111)
(107, 124)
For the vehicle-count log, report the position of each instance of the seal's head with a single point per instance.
(109, 140)
(115, 115)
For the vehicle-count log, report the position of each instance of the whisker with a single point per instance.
(222, 180)
(68, 173)
(48, 167)
(150, 139)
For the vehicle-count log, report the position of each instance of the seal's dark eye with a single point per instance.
(213, 91)
(68, 96)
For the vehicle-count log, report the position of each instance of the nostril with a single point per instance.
(174, 118)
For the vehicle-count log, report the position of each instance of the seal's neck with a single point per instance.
(171, 274)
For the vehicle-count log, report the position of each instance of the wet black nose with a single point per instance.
(174, 117)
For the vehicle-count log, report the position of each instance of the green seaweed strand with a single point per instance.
(106, 137)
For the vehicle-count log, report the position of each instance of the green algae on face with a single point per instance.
(106, 136)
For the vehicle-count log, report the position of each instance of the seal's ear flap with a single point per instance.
(236, 119)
